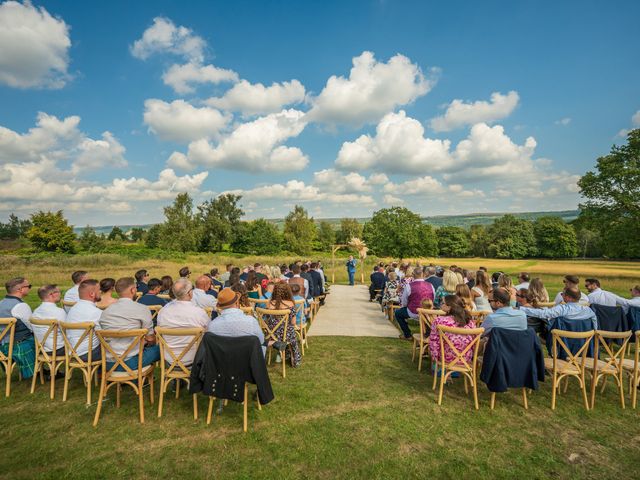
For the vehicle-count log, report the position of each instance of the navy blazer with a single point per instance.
(573, 344)
(377, 280)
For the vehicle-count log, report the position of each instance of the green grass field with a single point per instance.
(356, 408)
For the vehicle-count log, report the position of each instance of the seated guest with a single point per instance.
(289, 273)
(504, 281)
(471, 278)
(49, 310)
(432, 278)
(598, 296)
(225, 275)
(167, 283)
(523, 278)
(317, 278)
(456, 315)
(284, 271)
(390, 294)
(85, 310)
(412, 297)
(241, 289)
(570, 309)
(304, 273)
(151, 297)
(266, 294)
(212, 291)
(635, 297)
(126, 314)
(481, 291)
(257, 269)
(448, 287)
(463, 291)
(106, 293)
(200, 297)
(234, 277)
(184, 272)
(537, 292)
(571, 281)
(296, 278)
(244, 274)
(141, 281)
(71, 295)
(24, 349)
(495, 276)
(505, 316)
(214, 278)
(295, 290)
(282, 299)
(254, 290)
(182, 313)
(377, 283)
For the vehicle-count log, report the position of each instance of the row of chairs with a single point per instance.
(563, 364)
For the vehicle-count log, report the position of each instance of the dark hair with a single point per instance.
(524, 276)
(304, 267)
(154, 283)
(184, 272)
(313, 265)
(252, 281)
(457, 309)
(295, 269)
(593, 281)
(167, 282)
(107, 284)
(122, 284)
(214, 272)
(572, 279)
(43, 292)
(242, 290)
(86, 285)
(283, 269)
(484, 269)
(281, 292)
(572, 292)
(295, 288)
(235, 270)
(495, 276)
(229, 266)
(77, 276)
(502, 295)
(140, 274)
(256, 265)
(13, 283)
(234, 278)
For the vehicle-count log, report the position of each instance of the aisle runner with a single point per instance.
(349, 313)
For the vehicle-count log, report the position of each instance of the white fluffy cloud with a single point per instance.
(418, 186)
(184, 78)
(180, 121)
(164, 37)
(34, 47)
(563, 121)
(61, 140)
(252, 99)
(635, 123)
(459, 113)
(399, 146)
(332, 180)
(393, 201)
(254, 146)
(371, 91)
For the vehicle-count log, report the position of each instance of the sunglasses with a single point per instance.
(26, 286)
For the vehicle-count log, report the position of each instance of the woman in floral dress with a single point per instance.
(456, 316)
(282, 299)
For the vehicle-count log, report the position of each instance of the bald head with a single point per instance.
(182, 289)
(203, 283)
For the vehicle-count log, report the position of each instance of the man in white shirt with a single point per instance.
(634, 301)
(182, 313)
(13, 306)
(571, 281)
(85, 310)
(523, 278)
(597, 296)
(49, 310)
(71, 295)
(200, 296)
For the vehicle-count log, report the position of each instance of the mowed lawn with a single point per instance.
(356, 408)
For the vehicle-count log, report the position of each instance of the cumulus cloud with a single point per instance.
(184, 78)
(61, 140)
(417, 186)
(34, 47)
(393, 201)
(635, 123)
(372, 90)
(399, 146)
(330, 179)
(459, 113)
(180, 121)
(164, 37)
(254, 146)
(252, 99)
(563, 121)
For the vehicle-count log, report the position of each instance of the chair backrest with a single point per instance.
(164, 296)
(170, 356)
(65, 303)
(137, 297)
(247, 310)
(154, 309)
(460, 355)
(137, 342)
(255, 301)
(426, 318)
(281, 318)
(604, 339)
(576, 359)
(72, 350)
(478, 316)
(8, 331)
(51, 324)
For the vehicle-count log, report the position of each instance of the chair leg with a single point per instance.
(553, 392)
(435, 376)
(67, 378)
(141, 398)
(118, 388)
(89, 387)
(442, 378)
(524, 399)
(583, 384)
(413, 355)
(604, 383)
(100, 398)
(594, 385)
(634, 392)
(246, 405)
(161, 396)
(493, 400)
(419, 359)
(474, 385)
(152, 388)
(195, 406)
(7, 388)
(177, 388)
(621, 388)
(466, 385)
(35, 376)
(41, 374)
(52, 392)
(210, 410)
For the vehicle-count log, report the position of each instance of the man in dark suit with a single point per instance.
(432, 278)
(318, 287)
(304, 273)
(377, 282)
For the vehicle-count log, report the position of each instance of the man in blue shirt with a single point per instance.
(570, 310)
(351, 270)
(141, 279)
(151, 297)
(504, 315)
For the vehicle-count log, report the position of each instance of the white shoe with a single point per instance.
(278, 358)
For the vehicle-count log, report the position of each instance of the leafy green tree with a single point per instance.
(555, 238)
(478, 240)
(349, 228)
(398, 232)
(116, 234)
(511, 237)
(181, 231)
(326, 235)
(612, 191)
(452, 242)
(220, 218)
(50, 232)
(154, 234)
(15, 228)
(299, 231)
(137, 234)
(259, 237)
(90, 241)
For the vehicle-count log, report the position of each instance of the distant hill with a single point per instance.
(464, 221)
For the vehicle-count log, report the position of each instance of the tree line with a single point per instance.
(608, 225)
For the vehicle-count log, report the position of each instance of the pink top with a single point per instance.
(459, 341)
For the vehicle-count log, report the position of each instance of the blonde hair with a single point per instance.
(460, 278)
(392, 276)
(449, 281)
(504, 281)
(537, 291)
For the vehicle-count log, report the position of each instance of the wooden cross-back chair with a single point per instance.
(67, 304)
(8, 332)
(468, 370)
(574, 366)
(45, 358)
(421, 340)
(137, 297)
(256, 302)
(172, 367)
(301, 329)
(164, 296)
(73, 361)
(245, 407)
(154, 309)
(632, 368)
(479, 316)
(247, 310)
(271, 333)
(135, 378)
(607, 363)
(391, 311)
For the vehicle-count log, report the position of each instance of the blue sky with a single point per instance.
(108, 110)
